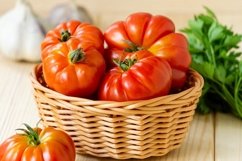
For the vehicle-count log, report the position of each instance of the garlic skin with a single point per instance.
(67, 11)
(21, 33)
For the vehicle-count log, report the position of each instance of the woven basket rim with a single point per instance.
(199, 82)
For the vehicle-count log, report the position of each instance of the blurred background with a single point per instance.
(104, 12)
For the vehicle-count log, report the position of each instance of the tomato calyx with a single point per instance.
(32, 135)
(132, 47)
(125, 64)
(65, 35)
(76, 56)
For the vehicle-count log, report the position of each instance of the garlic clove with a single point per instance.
(68, 11)
(21, 33)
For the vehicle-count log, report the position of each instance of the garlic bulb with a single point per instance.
(67, 11)
(21, 33)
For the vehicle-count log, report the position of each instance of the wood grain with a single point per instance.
(17, 105)
(228, 138)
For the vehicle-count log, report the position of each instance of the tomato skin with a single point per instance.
(80, 78)
(55, 145)
(156, 34)
(149, 77)
(89, 36)
(174, 48)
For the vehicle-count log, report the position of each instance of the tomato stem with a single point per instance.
(32, 135)
(132, 47)
(65, 35)
(76, 56)
(125, 64)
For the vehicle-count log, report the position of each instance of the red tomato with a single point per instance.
(48, 144)
(72, 59)
(87, 35)
(143, 31)
(138, 76)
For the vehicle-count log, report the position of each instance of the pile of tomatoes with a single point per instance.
(144, 58)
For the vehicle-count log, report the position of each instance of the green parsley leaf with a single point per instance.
(215, 55)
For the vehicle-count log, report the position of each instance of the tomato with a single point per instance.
(139, 75)
(155, 33)
(46, 144)
(72, 59)
(88, 35)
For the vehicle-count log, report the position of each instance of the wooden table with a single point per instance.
(213, 137)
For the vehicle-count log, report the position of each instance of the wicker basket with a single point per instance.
(121, 130)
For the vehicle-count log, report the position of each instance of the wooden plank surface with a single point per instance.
(228, 138)
(17, 105)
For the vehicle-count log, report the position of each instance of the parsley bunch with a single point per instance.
(215, 55)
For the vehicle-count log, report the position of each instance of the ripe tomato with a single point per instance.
(48, 144)
(139, 75)
(155, 34)
(88, 35)
(72, 58)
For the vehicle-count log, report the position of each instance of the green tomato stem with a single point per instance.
(76, 56)
(33, 136)
(125, 64)
(65, 35)
(132, 47)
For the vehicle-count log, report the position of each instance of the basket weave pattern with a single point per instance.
(121, 130)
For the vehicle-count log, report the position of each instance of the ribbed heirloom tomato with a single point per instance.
(72, 58)
(139, 75)
(143, 31)
(48, 144)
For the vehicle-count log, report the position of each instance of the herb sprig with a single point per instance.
(215, 55)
